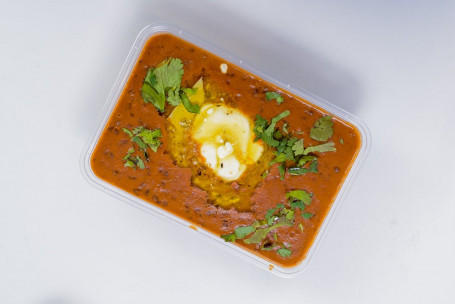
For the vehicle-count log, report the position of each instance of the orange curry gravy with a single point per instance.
(169, 187)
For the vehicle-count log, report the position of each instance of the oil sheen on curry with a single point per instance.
(225, 150)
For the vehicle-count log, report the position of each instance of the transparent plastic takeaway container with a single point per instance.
(157, 28)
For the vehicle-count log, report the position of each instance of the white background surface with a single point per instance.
(392, 63)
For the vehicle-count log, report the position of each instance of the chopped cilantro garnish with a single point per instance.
(300, 195)
(140, 163)
(274, 95)
(269, 213)
(139, 142)
(189, 91)
(261, 233)
(144, 138)
(130, 163)
(327, 147)
(341, 141)
(279, 159)
(298, 147)
(128, 132)
(243, 231)
(192, 108)
(290, 149)
(307, 215)
(322, 129)
(284, 252)
(228, 237)
(277, 217)
(298, 204)
(265, 131)
(282, 170)
(148, 138)
(260, 124)
(163, 84)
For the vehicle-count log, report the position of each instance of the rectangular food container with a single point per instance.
(115, 93)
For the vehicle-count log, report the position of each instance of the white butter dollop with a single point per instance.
(229, 168)
(209, 153)
(225, 150)
(227, 140)
(223, 68)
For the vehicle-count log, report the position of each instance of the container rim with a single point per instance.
(119, 84)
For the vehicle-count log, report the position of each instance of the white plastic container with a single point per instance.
(116, 91)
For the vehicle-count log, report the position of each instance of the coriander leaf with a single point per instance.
(301, 227)
(173, 97)
(314, 166)
(269, 213)
(322, 129)
(138, 130)
(304, 159)
(264, 175)
(128, 154)
(279, 206)
(271, 220)
(274, 95)
(267, 248)
(150, 137)
(130, 164)
(243, 231)
(260, 124)
(127, 132)
(139, 142)
(327, 147)
(169, 73)
(298, 147)
(298, 171)
(284, 252)
(301, 195)
(307, 215)
(258, 236)
(285, 128)
(163, 80)
(140, 163)
(277, 135)
(228, 237)
(290, 142)
(189, 91)
(341, 141)
(279, 159)
(192, 108)
(261, 233)
(289, 154)
(149, 94)
(256, 224)
(282, 170)
(267, 135)
(298, 204)
(290, 215)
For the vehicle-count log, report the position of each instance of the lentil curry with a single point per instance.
(225, 150)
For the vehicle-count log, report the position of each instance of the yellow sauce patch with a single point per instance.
(218, 145)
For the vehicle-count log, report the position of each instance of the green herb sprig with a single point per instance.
(162, 84)
(274, 95)
(280, 216)
(290, 149)
(144, 138)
